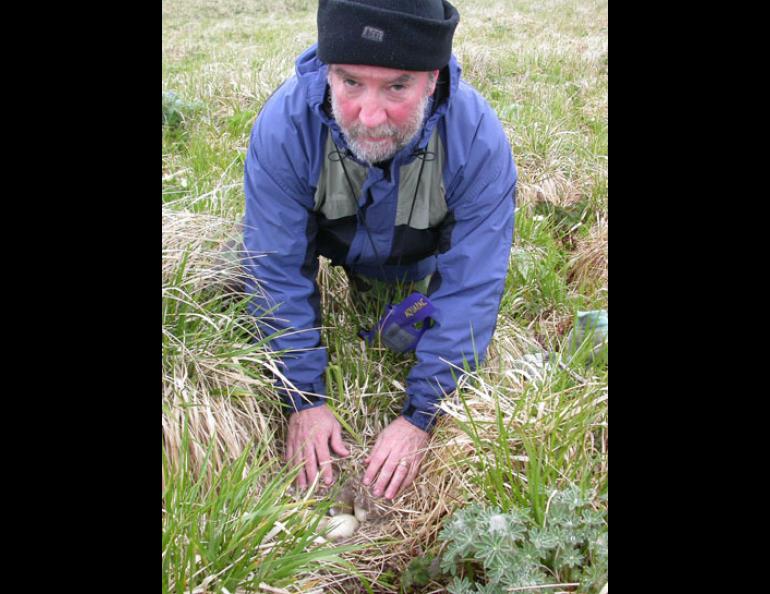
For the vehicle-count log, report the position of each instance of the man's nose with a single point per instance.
(372, 113)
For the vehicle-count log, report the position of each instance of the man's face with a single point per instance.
(379, 109)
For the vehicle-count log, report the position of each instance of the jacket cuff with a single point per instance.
(421, 418)
(303, 397)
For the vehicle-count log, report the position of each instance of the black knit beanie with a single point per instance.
(401, 34)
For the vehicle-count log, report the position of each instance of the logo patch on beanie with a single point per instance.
(373, 34)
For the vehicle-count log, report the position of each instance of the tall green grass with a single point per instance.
(238, 530)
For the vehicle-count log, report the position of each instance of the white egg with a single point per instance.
(341, 526)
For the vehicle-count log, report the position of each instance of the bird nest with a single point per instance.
(395, 532)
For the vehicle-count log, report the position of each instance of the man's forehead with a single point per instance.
(375, 72)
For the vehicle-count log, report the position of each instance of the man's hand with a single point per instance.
(397, 455)
(310, 433)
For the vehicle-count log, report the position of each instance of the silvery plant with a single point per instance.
(491, 551)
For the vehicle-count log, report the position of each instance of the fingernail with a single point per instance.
(367, 481)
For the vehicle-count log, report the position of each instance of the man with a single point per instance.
(377, 156)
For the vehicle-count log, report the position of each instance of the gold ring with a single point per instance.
(404, 462)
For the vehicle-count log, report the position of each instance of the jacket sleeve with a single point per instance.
(472, 265)
(279, 241)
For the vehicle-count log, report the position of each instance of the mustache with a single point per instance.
(384, 131)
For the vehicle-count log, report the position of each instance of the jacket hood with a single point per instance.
(312, 76)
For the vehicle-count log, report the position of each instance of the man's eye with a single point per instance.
(350, 83)
(397, 88)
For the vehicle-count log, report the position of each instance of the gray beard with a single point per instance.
(378, 152)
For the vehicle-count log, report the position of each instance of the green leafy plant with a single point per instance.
(176, 110)
(420, 572)
(491, 551)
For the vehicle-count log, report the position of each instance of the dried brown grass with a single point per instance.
(220, 399)
(554, 188)
(589, 265)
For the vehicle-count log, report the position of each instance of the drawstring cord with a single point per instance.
(422, 154)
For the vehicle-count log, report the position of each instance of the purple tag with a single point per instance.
(397, 328)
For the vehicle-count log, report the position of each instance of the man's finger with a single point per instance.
(402, 469)
(311, 466)
(301, 479)
(324, 462)
(337, 444)
(413, 470)
(292, 461)
(376, 460)
(300, 459)
(385, 475)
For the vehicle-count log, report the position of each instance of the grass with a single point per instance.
(514, 432)
(226, 533)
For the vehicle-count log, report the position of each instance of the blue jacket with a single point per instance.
(444, 207)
